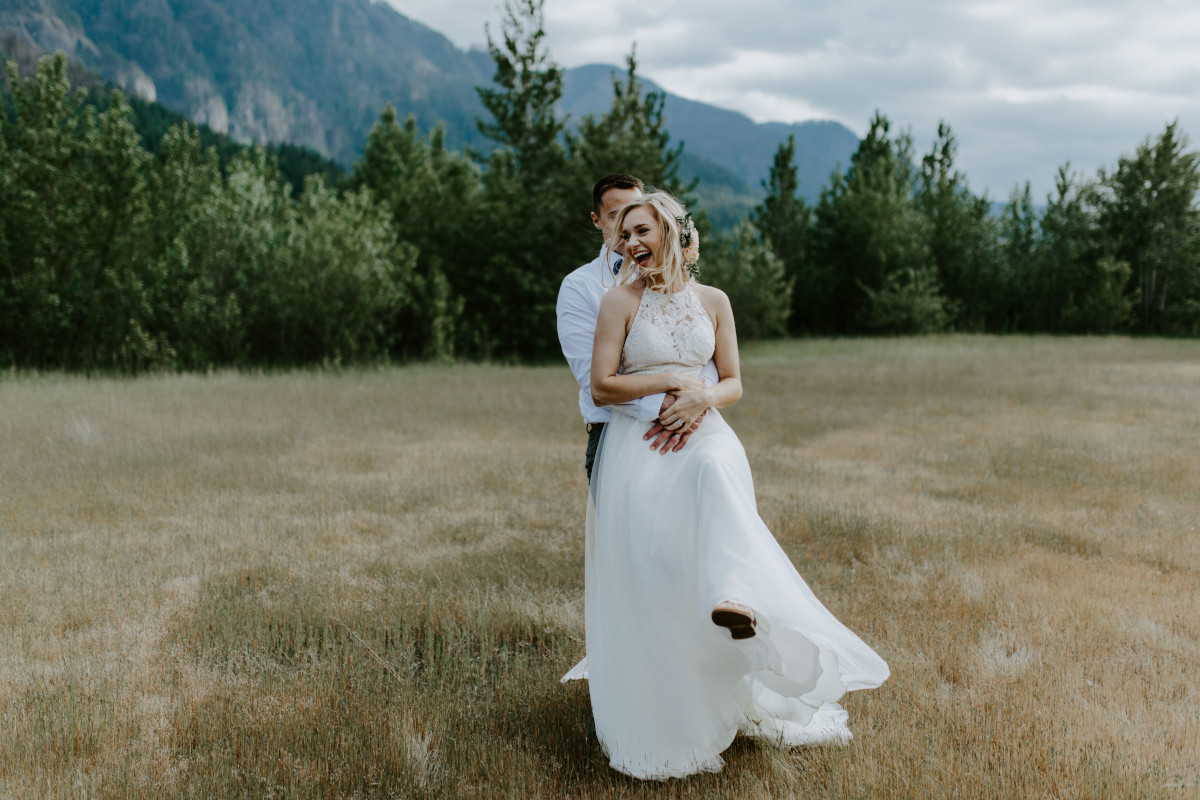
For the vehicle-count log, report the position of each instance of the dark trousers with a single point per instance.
(594, 430)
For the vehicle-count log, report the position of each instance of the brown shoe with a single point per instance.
(735, 616)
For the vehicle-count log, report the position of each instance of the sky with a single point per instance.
(1026, 85)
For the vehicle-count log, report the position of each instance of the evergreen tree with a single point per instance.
(747, 270)
(75, 204)
(433, 199)
(1078, 285)
(1018, 244)
(630, 137)
(523, 103)
(348, 278)
(1150, 221)
(524, 231)
(963, 239)
(867, 228)
(783, 221)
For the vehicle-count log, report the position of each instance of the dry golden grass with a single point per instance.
(368, 584)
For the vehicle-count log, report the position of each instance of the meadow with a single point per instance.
(367, 583)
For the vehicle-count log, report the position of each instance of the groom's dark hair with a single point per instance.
(619, 180)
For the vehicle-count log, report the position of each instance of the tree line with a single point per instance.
(898, 244)
(120, 254)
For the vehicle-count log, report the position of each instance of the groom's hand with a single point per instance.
(666, 441)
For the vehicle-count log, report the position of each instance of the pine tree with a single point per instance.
(1018, 244)
(433, 200)
(963, 239)
(783, 221)
(868, 229)
(523, 103)
(72, 219)
(1150, 221)
(1078, 285)
(630, 137)
(746, 269)
(524, 233)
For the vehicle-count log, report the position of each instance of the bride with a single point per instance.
(698, 626)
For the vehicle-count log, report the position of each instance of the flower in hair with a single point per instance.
(689, 243)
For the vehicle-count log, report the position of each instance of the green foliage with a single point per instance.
(205, 327)
(258, 278)
(528, 87)
(75, 201)
(756, 281)
(1073, 284)
(347, 277)
(1104, 306)
(784, 220)
(630, 137)
(131, 241)
(152, 246)
(1149, 219)
(867, 228)
(114, 259)
(432, 197)
(525, 218)
(909, 302)
(963, 240)
(1018, 250)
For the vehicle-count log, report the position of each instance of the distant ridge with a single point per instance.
(726, 138)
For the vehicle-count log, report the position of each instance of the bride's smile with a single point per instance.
(642, 236)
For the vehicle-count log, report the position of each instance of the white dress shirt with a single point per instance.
(578, 309)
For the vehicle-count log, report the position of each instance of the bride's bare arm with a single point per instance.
(689, 404)
(616, 312)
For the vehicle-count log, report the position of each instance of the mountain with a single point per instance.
(317, 73)
(313, 72)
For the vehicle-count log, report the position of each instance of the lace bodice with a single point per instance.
(670, 333)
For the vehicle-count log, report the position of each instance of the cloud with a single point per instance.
(1026, 85)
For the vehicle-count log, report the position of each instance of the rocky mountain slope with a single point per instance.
(318, 72)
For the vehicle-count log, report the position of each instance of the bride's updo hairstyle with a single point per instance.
(669, 261)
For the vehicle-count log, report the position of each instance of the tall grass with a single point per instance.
(368, 584)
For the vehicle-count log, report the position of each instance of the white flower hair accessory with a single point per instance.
(689, 243)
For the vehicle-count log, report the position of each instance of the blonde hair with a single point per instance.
(669, 262)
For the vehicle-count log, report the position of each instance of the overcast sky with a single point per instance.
(1026, 85)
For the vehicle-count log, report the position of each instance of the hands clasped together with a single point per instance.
(682, 411)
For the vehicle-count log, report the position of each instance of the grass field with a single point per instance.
(367, 584)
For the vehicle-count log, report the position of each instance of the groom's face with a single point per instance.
(610, 203)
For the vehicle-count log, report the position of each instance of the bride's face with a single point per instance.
(642, 237)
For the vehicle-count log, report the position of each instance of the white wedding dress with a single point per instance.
(669, 537)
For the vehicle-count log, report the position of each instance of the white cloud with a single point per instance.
(1026, 85)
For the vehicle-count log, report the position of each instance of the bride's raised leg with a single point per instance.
(737, 617)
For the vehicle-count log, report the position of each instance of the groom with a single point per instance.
(578, 308)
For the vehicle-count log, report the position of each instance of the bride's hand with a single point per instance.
(688, 407)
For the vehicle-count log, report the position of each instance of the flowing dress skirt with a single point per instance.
(669, 537)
